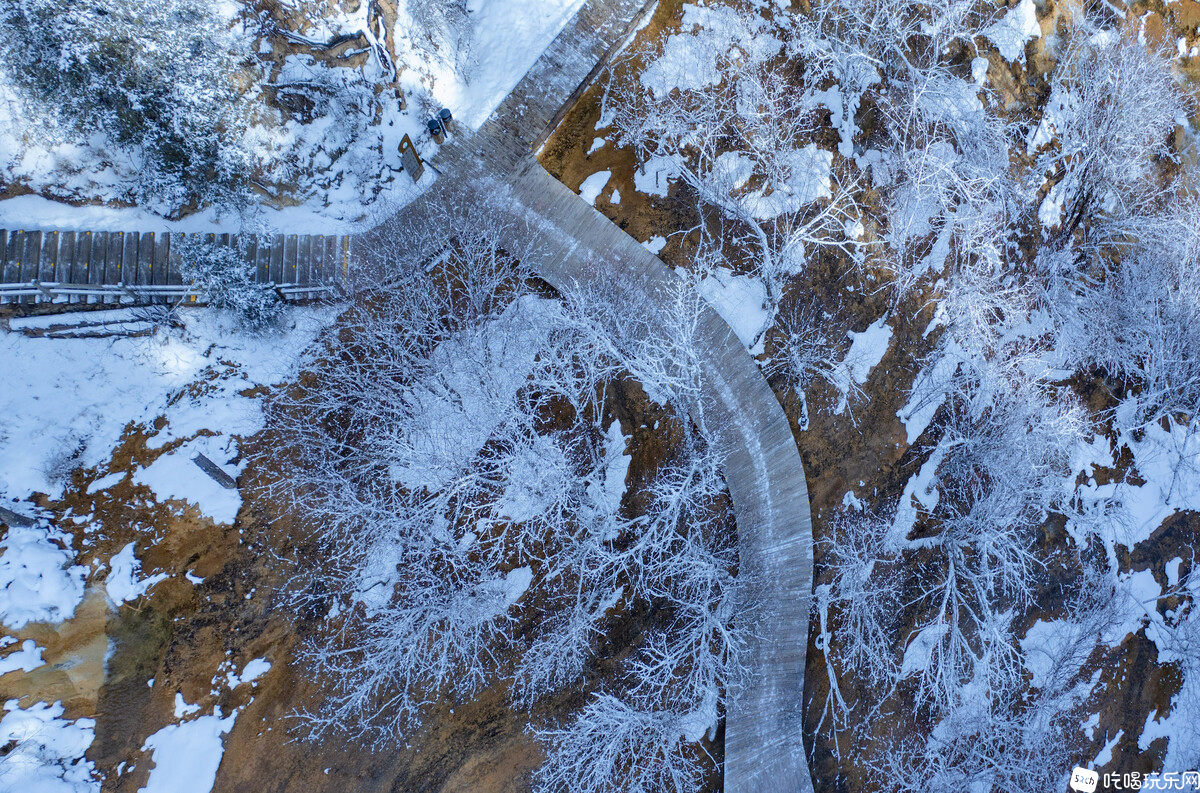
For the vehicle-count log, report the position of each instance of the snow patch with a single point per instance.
(1017, 28)
(182, 708)
(920, 649)
(590, 189)
(866, 351)
(1046, 644)
(1104, 756)
(186, 756)
(122, 583)
(37, 581)
(47, 754)
(607, 494)
(654, 176)
(250, 672)
(740, 300)
(176, 476)
(655, 244)
(807, 180)
(516, 582)
(27, 658)
(105, 482)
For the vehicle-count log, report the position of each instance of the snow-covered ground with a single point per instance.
(508, 36)
(346, 171)
(38, 582)
(47, 751)
(741, 302)
(68, 401)
(187, 754)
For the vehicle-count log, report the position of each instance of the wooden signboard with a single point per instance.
(410, 159)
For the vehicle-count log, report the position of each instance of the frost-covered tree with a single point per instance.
(1005, 449)
(809, 349)
(454, 449)
(937, 155)
(1142, 323)
(993, 744)
(614, 745)
(159, 78)
(721, 109)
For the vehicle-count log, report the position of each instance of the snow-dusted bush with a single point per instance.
(808, 349)
(1113, 104)
(226, 278)
(1137, 316)
(158, 78)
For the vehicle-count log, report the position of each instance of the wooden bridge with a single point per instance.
(144, 267)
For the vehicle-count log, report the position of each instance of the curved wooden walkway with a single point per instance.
(764, 749)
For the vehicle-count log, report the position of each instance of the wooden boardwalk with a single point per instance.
(764, 748)
(144, 267)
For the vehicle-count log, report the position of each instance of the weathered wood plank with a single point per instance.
(317, 271)
(66, 257)
(174, 263)
(145, 259)
(289, 259)
(304, 261)
(162, 249)
(218, 474)
(113, 262)
(329, 268)
(81, 272)
(129, 258)
(4, 260)
(276, 269)
(97, 261)
(31, 261)
(49, 267)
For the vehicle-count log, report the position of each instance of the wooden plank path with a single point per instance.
(764, 749)
(145, 267)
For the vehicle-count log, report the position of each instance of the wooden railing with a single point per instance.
(144, 267)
